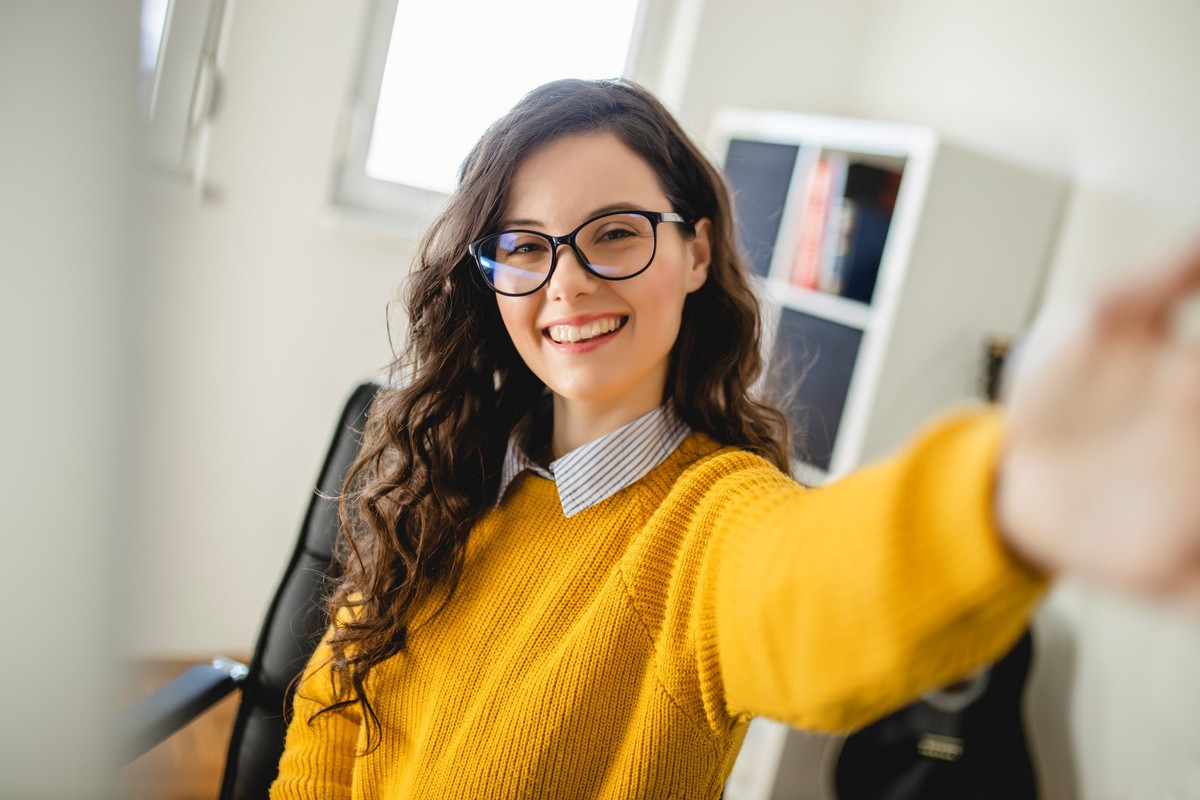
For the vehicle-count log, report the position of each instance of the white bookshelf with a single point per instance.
(962, 263)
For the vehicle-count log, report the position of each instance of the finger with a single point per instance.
(1148, 305)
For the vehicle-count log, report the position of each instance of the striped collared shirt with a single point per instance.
(599, 469)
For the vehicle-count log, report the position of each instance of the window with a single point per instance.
(177, 74)
(153, 25)
(435, 75)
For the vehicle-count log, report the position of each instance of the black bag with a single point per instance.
(966, 742)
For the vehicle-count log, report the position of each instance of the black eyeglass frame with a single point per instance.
(655, 217)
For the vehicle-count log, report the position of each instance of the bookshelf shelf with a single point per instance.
(887, 259)
(843, 310)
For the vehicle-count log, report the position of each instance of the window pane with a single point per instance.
(153, 23)
(455, 66)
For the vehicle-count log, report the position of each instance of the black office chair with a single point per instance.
(294, 624)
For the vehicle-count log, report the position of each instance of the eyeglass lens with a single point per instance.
(614, 246)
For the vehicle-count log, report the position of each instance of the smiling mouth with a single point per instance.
(597, 328)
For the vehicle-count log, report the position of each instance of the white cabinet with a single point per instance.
(965, 240)
(888, 258)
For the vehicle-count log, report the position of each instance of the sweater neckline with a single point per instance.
(594, 472)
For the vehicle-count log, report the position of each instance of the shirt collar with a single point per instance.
(599, 469)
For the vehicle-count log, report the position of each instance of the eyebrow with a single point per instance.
(508, 224)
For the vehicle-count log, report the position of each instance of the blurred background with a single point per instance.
(199, 265)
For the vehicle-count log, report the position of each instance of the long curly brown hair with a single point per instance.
(431, 459)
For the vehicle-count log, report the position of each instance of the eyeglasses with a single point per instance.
(613, 246)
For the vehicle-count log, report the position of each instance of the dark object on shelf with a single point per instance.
(963, 743)
(294, 624)
(995, 358)
(873, 185)
(759, 173)
(811, 367)
(863, 251)
(870, 199)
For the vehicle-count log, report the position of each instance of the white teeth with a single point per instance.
(590, 330)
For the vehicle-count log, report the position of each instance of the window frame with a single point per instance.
(353, 188)
(409, 209)
(177, 128)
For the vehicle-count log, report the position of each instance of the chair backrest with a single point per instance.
(295, 620)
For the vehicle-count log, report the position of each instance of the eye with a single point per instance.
(522, 244)
(615, 232)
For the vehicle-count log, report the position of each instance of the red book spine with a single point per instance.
(806, 264)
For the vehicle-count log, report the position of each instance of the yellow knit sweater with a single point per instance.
(621, 653)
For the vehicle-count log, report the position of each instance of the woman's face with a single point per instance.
(599, 344)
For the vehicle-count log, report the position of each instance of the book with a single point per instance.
(838, 240)
(867, 204)
(874, 185)
(824, 187)
(864, 252)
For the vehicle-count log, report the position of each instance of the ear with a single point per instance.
(699, 249)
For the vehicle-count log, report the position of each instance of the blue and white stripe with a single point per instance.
(599, 469)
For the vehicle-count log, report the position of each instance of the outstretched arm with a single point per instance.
(832, 607)
(835, 606)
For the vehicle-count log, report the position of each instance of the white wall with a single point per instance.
(793, 54)
(66, 101)
(264, 306)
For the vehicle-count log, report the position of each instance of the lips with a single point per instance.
(583, 331)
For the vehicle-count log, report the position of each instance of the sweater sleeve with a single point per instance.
(320, 751)
(829, 608)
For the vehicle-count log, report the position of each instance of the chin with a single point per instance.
(580, 394)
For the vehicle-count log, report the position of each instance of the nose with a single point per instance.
(570, 280)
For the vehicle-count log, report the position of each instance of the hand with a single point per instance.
(1101, 475)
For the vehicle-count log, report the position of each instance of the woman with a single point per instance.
(574, 563)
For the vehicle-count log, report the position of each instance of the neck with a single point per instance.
(578, 422)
